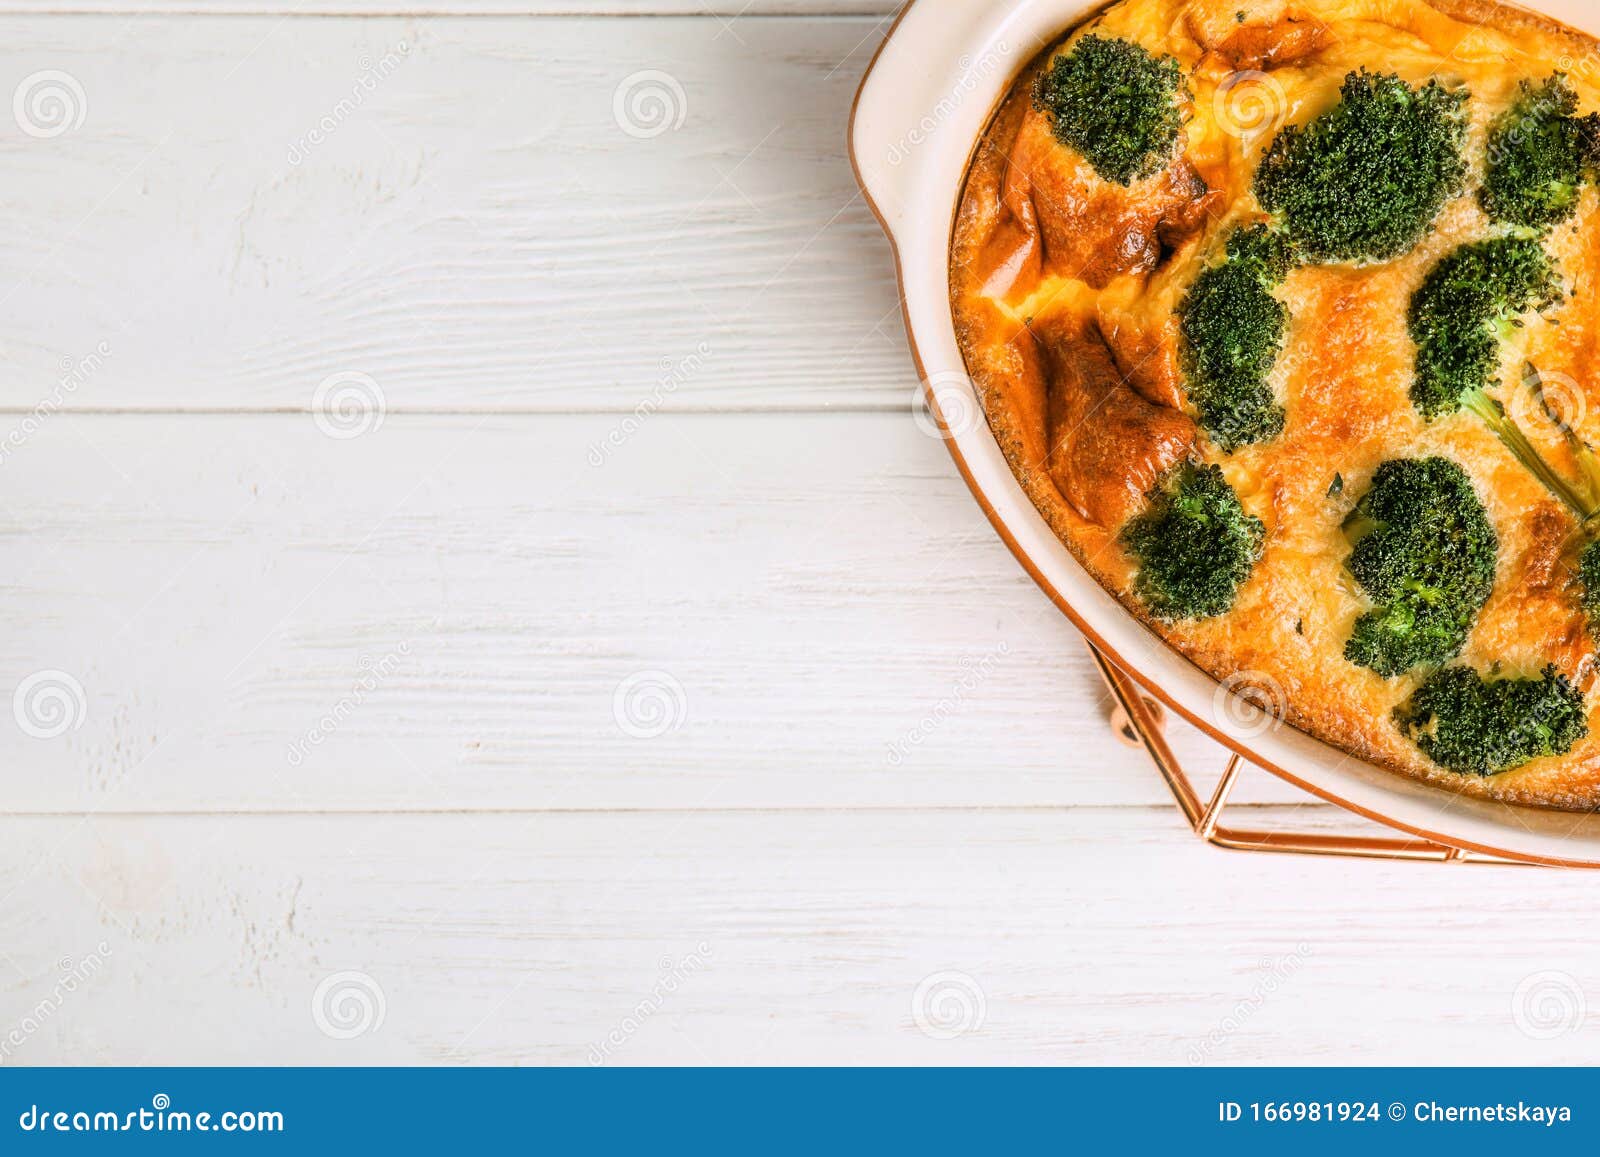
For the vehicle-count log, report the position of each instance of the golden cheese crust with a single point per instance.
(1064, 288)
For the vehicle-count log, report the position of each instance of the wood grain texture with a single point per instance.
(1090, 935)
(882, 755)
(465, 612)
(453, 208)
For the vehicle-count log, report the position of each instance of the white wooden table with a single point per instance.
(478, 594)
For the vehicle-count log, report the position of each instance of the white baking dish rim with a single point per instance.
(925, 101)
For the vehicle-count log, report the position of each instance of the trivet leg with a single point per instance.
(1140, 721)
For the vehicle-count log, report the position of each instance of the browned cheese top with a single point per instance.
(1065, 286)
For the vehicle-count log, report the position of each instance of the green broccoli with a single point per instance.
(1589, 585)
(1582, 497)
(1478, 727)
(1464, 308)
(1116, 104)
(1468, 303)
(1540, 154)
(1194, 544)
(1364, 181)
(1425, 554)
(1233, 330)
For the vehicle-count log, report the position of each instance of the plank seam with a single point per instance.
(810, 809)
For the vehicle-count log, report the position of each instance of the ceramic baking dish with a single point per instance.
(921, 109)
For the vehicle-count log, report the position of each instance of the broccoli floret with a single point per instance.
(1475, 727)
(1463, 309)
(1269, 250)
(1589, 585)
(1582, 498)
(1469, 302)
(1425, 554)
(1232, 329)
(1194, 544)
(1540, 154)
(1114, 103)
(1458, 318)
(1364, 181)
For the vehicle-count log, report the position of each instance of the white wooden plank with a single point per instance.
(454, 208)
(1089, 935)
(445, 611)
